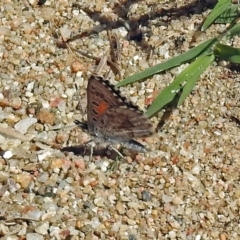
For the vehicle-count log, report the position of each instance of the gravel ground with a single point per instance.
(187, 187)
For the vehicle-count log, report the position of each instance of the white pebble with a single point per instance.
(45, 104)
(37, 68)
(42, 228)
(43, 154)
(23, 125)
(30, 86)
(116, 226)
(104, 166)
(28, 94)
(172, 234)
(222, 195)
(34, 236)
(32, 2)
(196, 169)
(65, 32)
(7, 154)
(4, 115)
(79, 80)
(122, 32)
(35, 214)
(188, 211)
(75, 12)
(95, 222)
(185, 153)
(198, 237)
(69, 92)
(79, 74)
(62, 106)
(218, 133)
(43, 177)
(73, 231)
(166, 198)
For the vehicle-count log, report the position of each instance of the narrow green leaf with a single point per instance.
(220, 7)
(191, 73)
(227, 53)
(231, 13)
(175, 61)
(235, 30)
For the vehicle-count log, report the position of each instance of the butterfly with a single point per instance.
(112, 119)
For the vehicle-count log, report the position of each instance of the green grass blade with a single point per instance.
(227, 53)
(229, 15)
(235, 30)
(220, 7)
(175, 61)
(193, 73)
(187, 77)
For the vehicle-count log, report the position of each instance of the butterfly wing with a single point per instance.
(123, 124)
(101, 95)
(111, 116)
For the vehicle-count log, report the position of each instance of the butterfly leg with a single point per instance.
(92, 145)
(115, 165)
(91, 153)
(110, 147)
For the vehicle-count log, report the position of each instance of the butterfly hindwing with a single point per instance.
(124, 123)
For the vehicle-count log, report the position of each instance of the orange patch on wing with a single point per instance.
(102, 107)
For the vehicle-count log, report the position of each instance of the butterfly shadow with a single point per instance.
(86, 150)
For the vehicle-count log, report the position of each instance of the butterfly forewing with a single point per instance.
(101, 95)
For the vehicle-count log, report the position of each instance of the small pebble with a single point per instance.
(42, 228)
(146, 196)
(23, 125)
(43, 154)
(7, 154)
(24, 180)
(44, 116)
(120, 208)
(34, 236)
